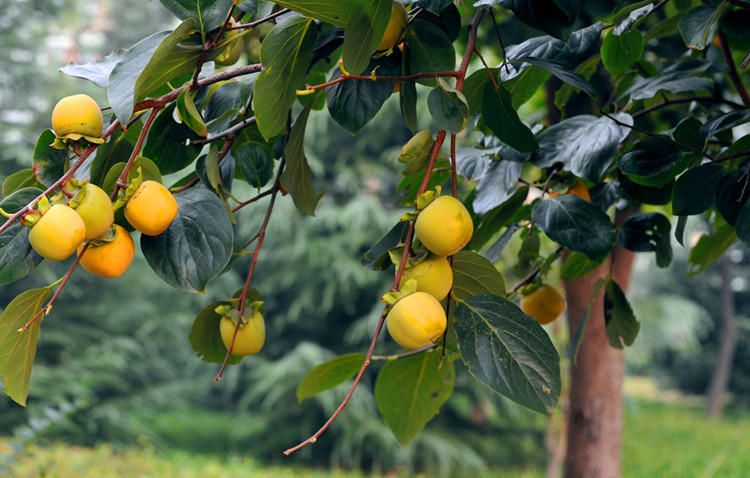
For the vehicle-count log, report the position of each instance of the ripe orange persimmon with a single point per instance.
(77, 114)
(110, 258)
(544, 303)
(151, 209)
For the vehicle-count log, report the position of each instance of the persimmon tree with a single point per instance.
(641, 101)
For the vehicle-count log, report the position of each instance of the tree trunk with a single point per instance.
(727, 344)
(595, 408)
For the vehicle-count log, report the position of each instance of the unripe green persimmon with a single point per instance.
(58, 233)
(151, 209)
(434, 275)
(416, 321)
(96, 211)
(250, 337)
(444, 226)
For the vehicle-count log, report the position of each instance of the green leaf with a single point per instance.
(576, 224)
(474, 275)
(168, 143)
(353, 103)
(724, 122)
(196, 246)
(23, 178)
(509, 351)
(693, 191)
(646, 232)
(207, 14)
(205, 336)
(18, 349)
(688, 132)
(117, 149)
(545, 15)
(429, 49)
(408, 102)
(621, 325)
(17, 257)
(474, 85)
(448, 107)
(377, 257)
(365, 28)
(49, 164)
(651, 162)
(297, 175)
(577, 265)
(730, 194)
(336, 13)
(503, 120)
(189, 114)
(416, 152)
(434, 6)
(148, 169)
(575, 341)
(710, 247)
(97, 72)
(696, 26)
(563, 72)
(286, 54)
(255, 163)
(497, 218)
(329, 374)
(742, 226)
(620, 52)
(409, 392)
(584, 144)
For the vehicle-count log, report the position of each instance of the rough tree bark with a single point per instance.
(595, 409)
(727, 344)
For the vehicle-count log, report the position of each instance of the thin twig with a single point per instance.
(134, 155)
(228, 132)
(258, 22)
(373, 77)
(207, 47)
(690, 99)
(733, 75)
(403, 354)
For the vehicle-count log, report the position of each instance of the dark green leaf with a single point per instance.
(17, 258)
(377, 257)
(646, 232)
(724, 122)
(297, 175)
(49, 164)
(503, 120)
(121, 87)
(688, 132)
(474, 275)
(577, 265)
(621, 325)
(207, 14)
(630, 14)
(363, 32)
(353, 103)
(23, 178)
(19, 348)
(575, 224)
(710, 247)
(742, 226)
(205, 336)
(255, 163)
(693, 191)
(645, 194)
(676, 82)
(448, 107)
(509, 351)
(286, 54)
(497, 218)
(429, 49)
(167, 143)
(434, 6)
(620, 52)
(651, 161)
(545, 15)
(584, 144)
(696, 26)
(730, 195)
(562, 71)
(408, 102)
(336, 13)
(409, 392)
(196, 246)
(497, 185)
(679, 230)
(329, 374)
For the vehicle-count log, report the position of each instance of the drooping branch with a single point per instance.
(440, 138)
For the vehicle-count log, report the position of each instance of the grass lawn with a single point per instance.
(665, 435)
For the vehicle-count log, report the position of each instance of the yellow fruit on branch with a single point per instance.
(95, 208)
(77, 114)
(58, 233)
(544, 303)
(250, 338)
(434, 275)
(416, 321)
(577, 189)
(109, 259)
(395, 27)
(151, 208)
(444, 226)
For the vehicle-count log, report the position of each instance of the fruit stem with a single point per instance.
(134, 155)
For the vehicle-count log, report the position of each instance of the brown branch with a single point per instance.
(440, 138)
(252, 200)
(690, 99)
(372, 77)
(134, 155)
(207, 47)
(60, 182)
(404, 354)
(228, 132)
(258, 22)
(733, 75)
